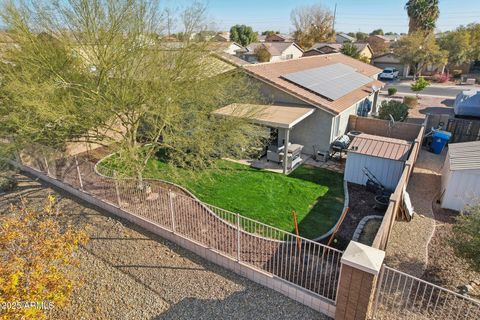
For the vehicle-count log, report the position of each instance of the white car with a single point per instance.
(389, 73)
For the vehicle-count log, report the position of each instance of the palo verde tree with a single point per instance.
(419, 50)
(423, 15)
(97, 71)
(465, 239)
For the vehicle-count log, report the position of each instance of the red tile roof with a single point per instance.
(382, 147)
(271, 73)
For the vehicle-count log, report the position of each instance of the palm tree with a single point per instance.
(423, 15)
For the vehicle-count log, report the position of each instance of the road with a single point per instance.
(435, 90)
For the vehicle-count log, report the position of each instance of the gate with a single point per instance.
(463, 130)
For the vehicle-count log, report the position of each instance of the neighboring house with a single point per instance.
(222, 37)
(390, 60)
(279, 51)
(326, 48)
(461, 176)
(326, 89)
(379, 43)
(343, 37)
(277, 37)
(227, 47)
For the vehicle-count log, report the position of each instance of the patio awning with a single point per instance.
(275, 116)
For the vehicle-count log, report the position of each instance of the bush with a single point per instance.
(440, 78)
(37, 259)
(457, 74)
(397, 109)
(392, 91)
(419, 85)
(466, 240)
(410, 101)
(7, 181)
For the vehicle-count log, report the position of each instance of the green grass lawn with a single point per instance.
(316, 194)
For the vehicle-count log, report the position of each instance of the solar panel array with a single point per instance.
(332, 82)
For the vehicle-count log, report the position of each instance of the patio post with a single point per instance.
(285, 150)
(79, 175)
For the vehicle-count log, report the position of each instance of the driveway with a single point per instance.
(129, 273)
(403, 87)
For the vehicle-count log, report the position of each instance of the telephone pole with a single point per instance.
(334, 16)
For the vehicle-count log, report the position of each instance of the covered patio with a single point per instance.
(281, 119)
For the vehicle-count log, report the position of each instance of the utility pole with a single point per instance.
(334, 16)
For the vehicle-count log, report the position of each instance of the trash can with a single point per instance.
(440, 140)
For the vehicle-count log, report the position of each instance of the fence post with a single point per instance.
(238, 238)
(46, 165)
(360, 267)
(171, 195)
(80, 181)
(117, 191)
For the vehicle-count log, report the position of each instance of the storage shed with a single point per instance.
(383, 157)
(461, 176)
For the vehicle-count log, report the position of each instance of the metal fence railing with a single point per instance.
(402, 296)
(302, 262)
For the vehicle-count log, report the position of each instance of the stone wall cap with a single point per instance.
(363, 257)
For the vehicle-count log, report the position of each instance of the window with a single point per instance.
(289, 56)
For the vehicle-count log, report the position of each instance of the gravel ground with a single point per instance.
(408, 245)
(128, 273)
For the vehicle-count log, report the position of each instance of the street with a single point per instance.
(433, 90)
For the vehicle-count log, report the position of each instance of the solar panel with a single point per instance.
(333, 81)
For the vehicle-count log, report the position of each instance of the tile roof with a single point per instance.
(464, 155)
(271, 73)
(275, 48)
(337, 46)
(382, 147)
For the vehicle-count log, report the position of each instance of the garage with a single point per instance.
(389, 60)
(381, 157)
(461, 176)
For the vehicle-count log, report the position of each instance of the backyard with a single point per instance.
(316, 194)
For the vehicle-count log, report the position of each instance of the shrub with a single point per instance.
(466, 240)
(440, 77)
(37, 259)
(457, 74)
(419, 85)
(262, 54)
(392, 91)
(410, 101)
(397, 109)
(7, 181)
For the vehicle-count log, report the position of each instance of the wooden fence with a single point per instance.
(463, 130)
(396, 199)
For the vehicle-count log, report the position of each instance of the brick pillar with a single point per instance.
(358, 277)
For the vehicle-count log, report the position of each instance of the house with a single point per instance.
(325, 48)
(343, 37)
(279, 51)
(461, 176)
(311, 101)
(229, 47)
(379, 43)
(222, 37)
(277, 37)
(391, 60)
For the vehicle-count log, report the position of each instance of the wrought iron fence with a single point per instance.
(300, 261)
(402, 296)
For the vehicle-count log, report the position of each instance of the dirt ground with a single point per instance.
(426, 105)
(361, 203)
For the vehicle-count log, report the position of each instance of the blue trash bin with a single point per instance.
(440, 140)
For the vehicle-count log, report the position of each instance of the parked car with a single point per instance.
(389, 73)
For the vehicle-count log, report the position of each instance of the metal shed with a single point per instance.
(461, 176)
(384, 157)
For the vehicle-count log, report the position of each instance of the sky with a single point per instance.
(352, 15)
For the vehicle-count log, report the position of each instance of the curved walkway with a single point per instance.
(407, 249)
